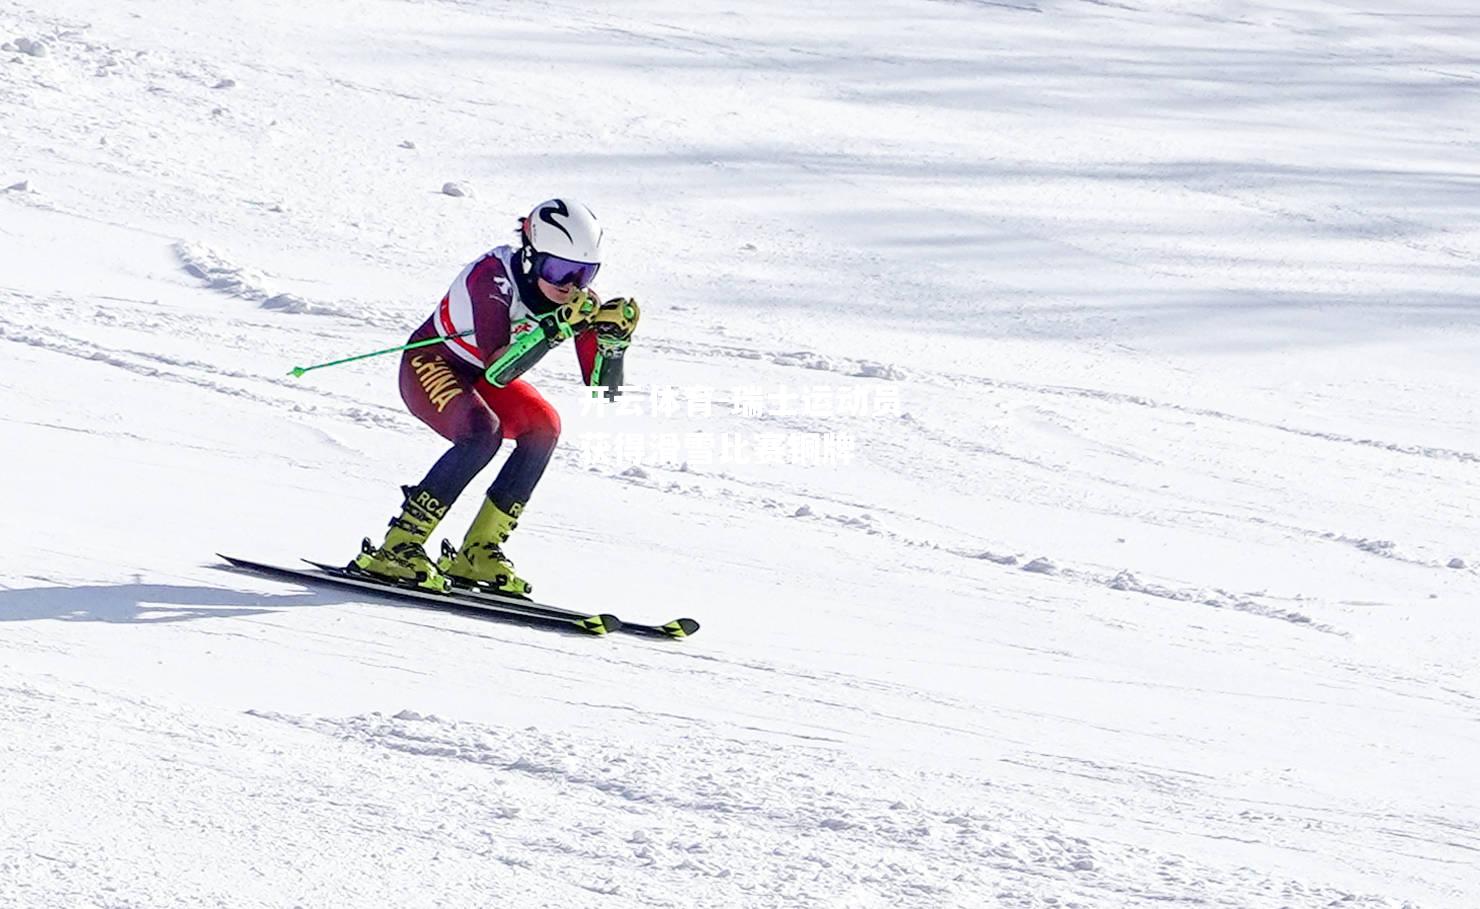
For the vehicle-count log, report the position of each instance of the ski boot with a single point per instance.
(481, 563)
(401, 559)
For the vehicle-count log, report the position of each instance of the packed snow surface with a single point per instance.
(1060, 414)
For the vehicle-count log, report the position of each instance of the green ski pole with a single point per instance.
(298, 371)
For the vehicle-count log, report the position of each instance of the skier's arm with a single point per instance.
(490, 304)
(516, 356)
(603, 347)
(601, 364)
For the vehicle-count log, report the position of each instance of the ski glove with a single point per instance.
(616, 319)
(578, 312)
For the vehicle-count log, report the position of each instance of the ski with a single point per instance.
(678, 628)
(519, 614)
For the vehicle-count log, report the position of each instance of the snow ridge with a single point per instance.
(219, 274)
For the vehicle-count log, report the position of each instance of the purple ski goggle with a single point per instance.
(561, 272)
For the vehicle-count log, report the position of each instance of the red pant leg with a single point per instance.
(521, 409)
(532, 422)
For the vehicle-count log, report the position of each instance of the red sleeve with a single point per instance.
(489, 287)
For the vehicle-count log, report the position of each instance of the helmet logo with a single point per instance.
(557, 207)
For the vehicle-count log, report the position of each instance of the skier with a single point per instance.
(502, 314)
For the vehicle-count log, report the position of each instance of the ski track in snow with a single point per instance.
(727, 810)
(886, 851)
(815, 361)
(45, 313)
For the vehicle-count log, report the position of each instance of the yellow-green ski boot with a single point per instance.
(481, 562)
(401, 559)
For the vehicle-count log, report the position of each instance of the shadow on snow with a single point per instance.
(148, 603)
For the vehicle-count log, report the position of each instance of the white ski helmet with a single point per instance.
(561, 243)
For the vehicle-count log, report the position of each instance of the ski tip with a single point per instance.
(681, 628)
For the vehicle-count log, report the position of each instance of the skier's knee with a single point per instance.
(480, 423)
(544, 421)
(537, 446)
(537, 442)
(480, 437)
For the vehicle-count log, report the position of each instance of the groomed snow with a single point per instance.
(1145, 336)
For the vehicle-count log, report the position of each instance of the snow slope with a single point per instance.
(1144, 334)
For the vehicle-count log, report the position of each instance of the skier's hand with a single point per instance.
(579, 310)
(616, 318)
